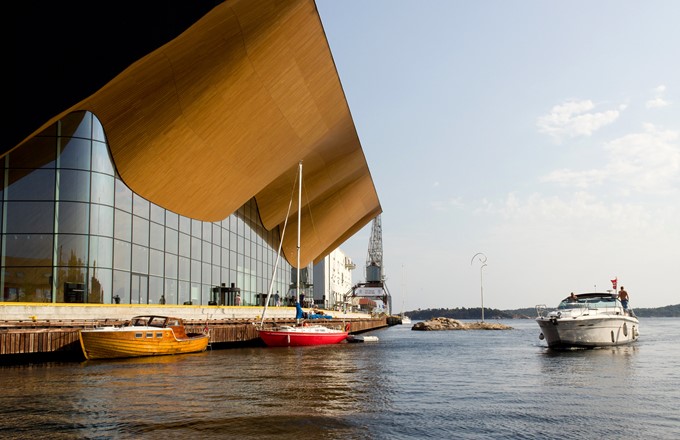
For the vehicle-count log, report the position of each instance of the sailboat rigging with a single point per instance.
(301, 333)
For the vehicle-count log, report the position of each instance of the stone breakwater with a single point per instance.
(454, 324)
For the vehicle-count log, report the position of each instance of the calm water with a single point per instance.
(409, 385)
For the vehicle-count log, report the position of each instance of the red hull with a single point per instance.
(282, 338)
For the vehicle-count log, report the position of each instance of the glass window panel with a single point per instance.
(121, 254)
(171, 220)
(101, 220)
(156, 262)
(184, 291)
(30, 217)
(122, 225)
(27, 250)
(233, 260)
(140, 259)
(157, 214)
(156, 290)
(121, 287)
(140, 231)
(99, 285)
(184, 269)
(216, 275)
(184, 245)
(196, 228)
(97, 130)
(225, 257)
(71, 285)
(207, 231)
(156, 241)
(205, 293)
(170, 291)
(123, 196)
(224, 276)
(76, 124)
(195, 248)
(195, 271)
(75, 153)
(38, 152)
(195, 293)
(27, 284)
(101, 159)
(71, 250)
(30, 185)
(170, 266)
(102, 189)
(216, 233)
(140, 206)
(185, 225)
(225, 238)
(74, 185)
(216, 254)
(171, 240)
(73, 218)
(206, 276)
(207, 251)
(139, 290)
(101, 252)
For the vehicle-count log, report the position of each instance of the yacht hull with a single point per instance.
(588, 332)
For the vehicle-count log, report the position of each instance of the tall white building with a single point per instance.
(333, 279)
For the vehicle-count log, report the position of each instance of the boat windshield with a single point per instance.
(591, 303)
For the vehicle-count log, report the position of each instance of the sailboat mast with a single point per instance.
(297, 290)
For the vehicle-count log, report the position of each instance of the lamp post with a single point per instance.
(482, 259)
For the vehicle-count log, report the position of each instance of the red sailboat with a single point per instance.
(302, 333)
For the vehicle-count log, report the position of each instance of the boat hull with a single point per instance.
(119, 343)
(588, 332)
(296, 338)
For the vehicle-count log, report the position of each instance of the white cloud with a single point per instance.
(646, 162)
(658, 100)
(447, 205)
(575, 118)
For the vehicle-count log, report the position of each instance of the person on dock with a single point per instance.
(623, 297)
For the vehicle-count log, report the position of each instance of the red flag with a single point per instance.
(614, 282)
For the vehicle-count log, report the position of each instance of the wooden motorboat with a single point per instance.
(150, 335)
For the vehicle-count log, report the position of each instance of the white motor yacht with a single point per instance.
(589, 320)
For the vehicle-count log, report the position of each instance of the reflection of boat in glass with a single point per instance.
(143, 336)
(588, 320)
(302, 333)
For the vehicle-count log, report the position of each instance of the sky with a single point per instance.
(544, 135)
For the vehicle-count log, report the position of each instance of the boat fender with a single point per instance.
(348, 326)
(541, 337)
(625, 329)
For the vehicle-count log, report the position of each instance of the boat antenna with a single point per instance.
(278, 257)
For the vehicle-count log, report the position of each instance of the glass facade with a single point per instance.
(73, 232)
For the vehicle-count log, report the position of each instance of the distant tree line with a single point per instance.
(527, 313)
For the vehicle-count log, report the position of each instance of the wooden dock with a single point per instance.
(21, 339)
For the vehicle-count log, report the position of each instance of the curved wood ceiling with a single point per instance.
(226, 111)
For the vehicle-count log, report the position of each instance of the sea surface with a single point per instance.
(409, 385)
